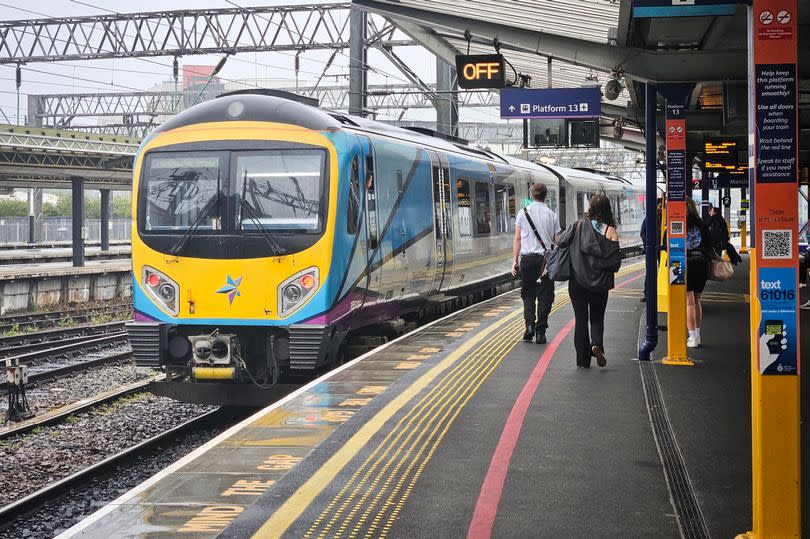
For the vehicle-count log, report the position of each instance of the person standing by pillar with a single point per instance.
(536, 230)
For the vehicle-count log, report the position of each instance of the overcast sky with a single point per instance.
(132, 74)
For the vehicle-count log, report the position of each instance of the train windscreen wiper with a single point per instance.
(255, 218)
(178, 247)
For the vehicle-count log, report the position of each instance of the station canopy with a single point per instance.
(586, 20)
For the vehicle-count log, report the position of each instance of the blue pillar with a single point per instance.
(651, 239)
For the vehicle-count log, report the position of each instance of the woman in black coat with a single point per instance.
(593, 244)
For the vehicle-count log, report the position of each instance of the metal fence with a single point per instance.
(15, 230)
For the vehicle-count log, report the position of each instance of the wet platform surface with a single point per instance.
(460, 429)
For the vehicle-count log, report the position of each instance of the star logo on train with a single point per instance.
(232, 288)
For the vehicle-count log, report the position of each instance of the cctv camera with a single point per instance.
(612, 89)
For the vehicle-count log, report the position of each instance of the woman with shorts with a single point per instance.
(698, 256)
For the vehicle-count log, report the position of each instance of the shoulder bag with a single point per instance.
(556, 261)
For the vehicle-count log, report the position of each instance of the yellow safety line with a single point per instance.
(300, 499)
(435, 416)
(294, 506)
(432, 397)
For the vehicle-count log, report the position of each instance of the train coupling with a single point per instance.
(214, 356)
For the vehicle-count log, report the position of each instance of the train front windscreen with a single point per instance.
(259, 198)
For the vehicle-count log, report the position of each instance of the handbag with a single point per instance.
(720, 270)
(559, 260)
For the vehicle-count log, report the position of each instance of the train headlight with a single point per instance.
(161, 289)
(296, 290)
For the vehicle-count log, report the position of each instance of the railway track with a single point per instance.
(40, 320)
(130, 457)
(12, 345)
(54, 361)
(76, 408)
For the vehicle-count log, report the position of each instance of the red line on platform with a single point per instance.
(490, 497)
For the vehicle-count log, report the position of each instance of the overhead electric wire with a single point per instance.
(340, 51)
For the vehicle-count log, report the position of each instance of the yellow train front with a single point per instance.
(235, 203)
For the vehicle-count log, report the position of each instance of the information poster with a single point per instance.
(774, 93)
(676, 189)
(777, 328)
(677, 260)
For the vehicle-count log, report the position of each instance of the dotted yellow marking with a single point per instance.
(429, 350)
(407, 365)
(371, 390)
(417, 357)
(471, 325)
(454, 334)
(355, 402)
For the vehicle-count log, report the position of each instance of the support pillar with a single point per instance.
(358, 68)
(775, 330)
(677, 95)
(105, 219)
(78, 221)
(651, 238)
(447, 103)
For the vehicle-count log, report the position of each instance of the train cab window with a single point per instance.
(354, 198)
(483, 210)
(280, 190)
(180, 191)
(502, 216)
(464, 208)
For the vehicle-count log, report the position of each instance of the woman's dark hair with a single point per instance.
(600, 210)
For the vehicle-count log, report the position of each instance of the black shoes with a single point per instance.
(529, 335)
(540, 336)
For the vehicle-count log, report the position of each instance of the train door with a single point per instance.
(372, 229)
(443, 258)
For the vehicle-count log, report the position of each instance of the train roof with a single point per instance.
(275, 106)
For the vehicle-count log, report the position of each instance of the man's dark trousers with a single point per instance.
(537, 297)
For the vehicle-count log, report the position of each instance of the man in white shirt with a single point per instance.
(529, 254)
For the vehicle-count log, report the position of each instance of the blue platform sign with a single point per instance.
(527, 103)
(683, 8)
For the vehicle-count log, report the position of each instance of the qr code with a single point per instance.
(677, 228)
(777, 244)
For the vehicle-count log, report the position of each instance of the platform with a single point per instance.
(40, 285)
(61, 254)
(460, 429)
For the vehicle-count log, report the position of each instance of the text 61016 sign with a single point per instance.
(480, 71)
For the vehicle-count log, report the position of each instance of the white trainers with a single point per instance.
(692, 342)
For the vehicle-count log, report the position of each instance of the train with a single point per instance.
(269, 234)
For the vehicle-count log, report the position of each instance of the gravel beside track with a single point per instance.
(46, 396)
(33, 460)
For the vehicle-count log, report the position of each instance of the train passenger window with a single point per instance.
(502, 208)
(176, 190)
(464, 208)
(551, 200)
(512, 207)
(483, 210)
(354, 198)
(280, 190)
